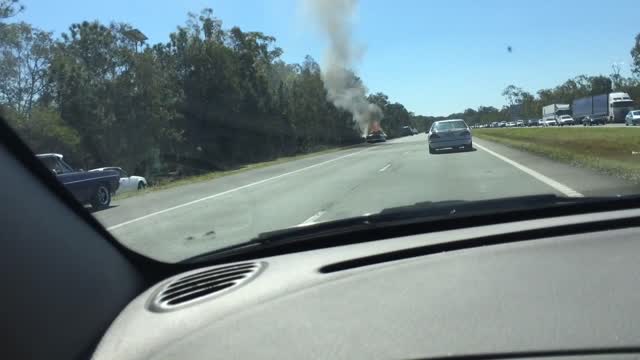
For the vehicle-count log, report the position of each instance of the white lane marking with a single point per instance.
(312, 220)
(567, 191)
(231, 191)
(385, 167)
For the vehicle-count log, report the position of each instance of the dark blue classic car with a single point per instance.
(94, 188)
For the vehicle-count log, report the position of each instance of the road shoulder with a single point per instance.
(586, 181)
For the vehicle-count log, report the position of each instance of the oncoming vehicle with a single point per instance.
(127, 182)
(449, 134)
(565, 120)
(555, 112)
(602, 109)
(533, 122)
(632, 118)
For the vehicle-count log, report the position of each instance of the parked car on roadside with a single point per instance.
(127, 182)
(632, 118)
(406, 131)
(88, 187)
(376, 136)
(520, 123)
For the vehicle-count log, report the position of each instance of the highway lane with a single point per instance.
(177, 223)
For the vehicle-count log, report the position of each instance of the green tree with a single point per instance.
(635, 55)
(119, 100)
(600, 85)
(25, 54)
(207, 99)
(9, 8)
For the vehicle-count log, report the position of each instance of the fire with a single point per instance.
(375, 127)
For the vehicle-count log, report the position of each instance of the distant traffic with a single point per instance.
(615, 107)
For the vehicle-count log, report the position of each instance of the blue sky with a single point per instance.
(435, 57)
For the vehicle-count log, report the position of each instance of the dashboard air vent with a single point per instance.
(204, 284)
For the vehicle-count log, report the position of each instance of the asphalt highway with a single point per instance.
(180, 222)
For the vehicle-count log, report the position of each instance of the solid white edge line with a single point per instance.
(231, 191)
(567, 191)
(385, 167)
(312, 219)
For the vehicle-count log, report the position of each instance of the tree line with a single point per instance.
(207, 99)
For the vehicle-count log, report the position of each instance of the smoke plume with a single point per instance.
(344, 89)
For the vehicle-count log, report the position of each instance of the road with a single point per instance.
(177, 223)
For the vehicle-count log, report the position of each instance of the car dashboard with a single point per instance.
(548, 295)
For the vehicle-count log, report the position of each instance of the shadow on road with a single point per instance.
(92, 210)
(453, 151)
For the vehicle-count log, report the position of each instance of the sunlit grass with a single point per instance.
(615, 151)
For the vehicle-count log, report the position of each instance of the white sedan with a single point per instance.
(566, 120)
(632, 118)
(127, 183)
(449, 134)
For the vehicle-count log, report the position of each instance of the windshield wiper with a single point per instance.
(444, 214)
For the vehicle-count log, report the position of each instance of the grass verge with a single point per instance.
(613, 151)
(218, 174)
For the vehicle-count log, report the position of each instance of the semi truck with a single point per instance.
(602, 109)
(551, 113)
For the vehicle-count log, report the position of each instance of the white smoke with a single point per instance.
(344, 90)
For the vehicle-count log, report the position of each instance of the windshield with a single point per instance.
(56, 165)
(619, 104)
(258, 116)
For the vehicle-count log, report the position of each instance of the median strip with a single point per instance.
(606, 150)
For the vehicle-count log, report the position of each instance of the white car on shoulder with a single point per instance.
(449, 134)
(127, 183)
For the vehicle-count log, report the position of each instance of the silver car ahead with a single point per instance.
(449, 134)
